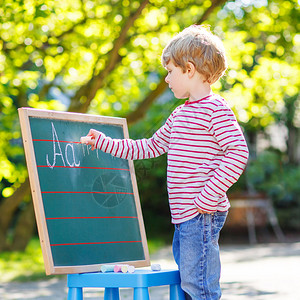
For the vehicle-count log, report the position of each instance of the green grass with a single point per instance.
(155, 244)
(29, 265)
(23, 266)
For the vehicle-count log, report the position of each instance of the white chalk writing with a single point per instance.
(69, 154)
(72, 156)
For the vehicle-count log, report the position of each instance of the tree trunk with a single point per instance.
(25, 228)
(214, 5)
(7, 210)
(292, 145)
(143, 107)
(292, 142)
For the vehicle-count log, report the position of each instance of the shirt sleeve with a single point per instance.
(225, 128)
(155, 146)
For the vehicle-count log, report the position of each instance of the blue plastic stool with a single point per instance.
(140, 280)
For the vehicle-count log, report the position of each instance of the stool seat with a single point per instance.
(140, 280)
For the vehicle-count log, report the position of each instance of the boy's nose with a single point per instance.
(167, 79)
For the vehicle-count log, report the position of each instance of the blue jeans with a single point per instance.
(196, 252)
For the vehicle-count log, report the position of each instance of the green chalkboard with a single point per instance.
(86, 202)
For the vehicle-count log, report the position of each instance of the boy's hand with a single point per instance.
(202, 211)
(91, 138)
(94, 134)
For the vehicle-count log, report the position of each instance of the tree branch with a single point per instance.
(143, 106)
(140, 112)
(90, 89)
(210, 9)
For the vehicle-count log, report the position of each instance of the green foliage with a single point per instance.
(270, 174)
(12, 163)
(51, 49)
(260, 170)
(23, 266)
(62, 54)
(263, 47)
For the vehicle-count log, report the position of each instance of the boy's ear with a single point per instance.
(190, 69)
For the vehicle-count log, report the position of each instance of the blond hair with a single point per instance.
(196, 44)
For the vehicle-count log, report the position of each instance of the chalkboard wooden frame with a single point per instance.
(25, 115)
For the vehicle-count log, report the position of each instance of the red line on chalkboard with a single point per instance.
(98, 168)
(95, 243)
(45, 140)
(65, 192)
(67, 218)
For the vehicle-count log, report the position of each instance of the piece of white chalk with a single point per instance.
(155, 267)
(127, 269)
(131, 269)
(124, 268)
(107, 268)
(85, 139)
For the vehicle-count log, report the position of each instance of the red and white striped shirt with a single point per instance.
(207, 153)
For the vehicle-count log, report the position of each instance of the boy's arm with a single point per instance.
(230, 137)
(157, 145)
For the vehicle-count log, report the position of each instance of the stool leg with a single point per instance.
(111, 294)
(75, 294)
(141, 293)
(176, 293)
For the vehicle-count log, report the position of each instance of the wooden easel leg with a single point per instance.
(111, 294)
(141, 294)
(75, 294)
(176, 293)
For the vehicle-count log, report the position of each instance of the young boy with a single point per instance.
(207, 153)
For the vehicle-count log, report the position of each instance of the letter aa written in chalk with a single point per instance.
(69, 153)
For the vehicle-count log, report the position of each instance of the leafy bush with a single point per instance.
(270, 174)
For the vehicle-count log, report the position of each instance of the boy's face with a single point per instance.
(177, 81)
